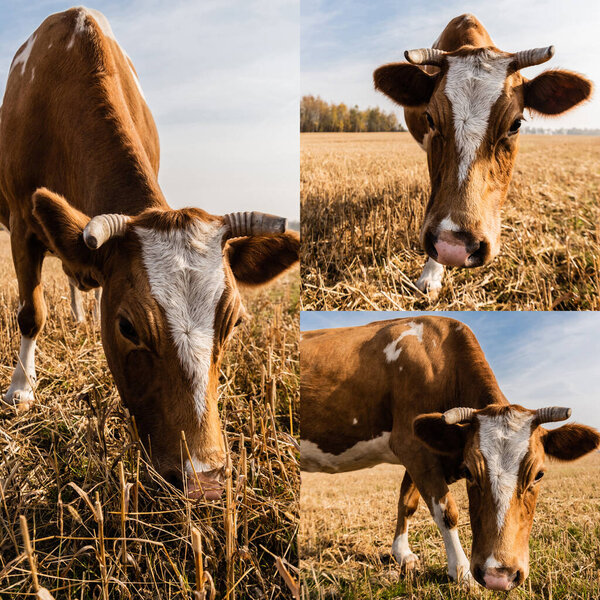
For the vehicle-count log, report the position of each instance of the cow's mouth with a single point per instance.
(456, 249)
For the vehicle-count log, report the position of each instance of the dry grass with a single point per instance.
(363, 198)
(348, 522)
(102, 523)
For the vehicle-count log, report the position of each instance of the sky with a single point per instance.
(342, 43)
(539, 358)
(221, 78)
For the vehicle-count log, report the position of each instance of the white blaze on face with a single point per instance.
(392, 351)
(473, 84)
(186, 276)
(504, 441)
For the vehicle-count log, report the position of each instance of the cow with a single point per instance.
(79, 159)
(418, 392)
(464, 101)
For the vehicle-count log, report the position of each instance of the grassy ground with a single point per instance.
(363, 197)
(348, 522)
(99, 532)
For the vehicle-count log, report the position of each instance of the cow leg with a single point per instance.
(430, 281)
(407, 505)
(76, 302)
(98, 296)
(28, 256)
(434, 490)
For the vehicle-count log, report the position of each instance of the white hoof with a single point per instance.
(430, 282)
(20, 399)
(463, 576)
(408, 562)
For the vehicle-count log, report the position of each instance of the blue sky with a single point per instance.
(343, 42)
(222, 80)
(539, 358)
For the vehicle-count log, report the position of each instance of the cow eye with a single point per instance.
(128, 330)
(539, 475)
(238, 321)
(514, 127)
(430, 120)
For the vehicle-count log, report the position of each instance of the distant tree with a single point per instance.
(318, 115)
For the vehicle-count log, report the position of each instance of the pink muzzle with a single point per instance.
(451, 251)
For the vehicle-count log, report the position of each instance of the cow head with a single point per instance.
(170, 301)
(469, 113)
(503, 450)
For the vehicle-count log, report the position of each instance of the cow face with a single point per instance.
(503, 449)
(170, 302)
(469, 114)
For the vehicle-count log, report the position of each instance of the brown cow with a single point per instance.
(419, 392)
(464, 103)
(79, 158)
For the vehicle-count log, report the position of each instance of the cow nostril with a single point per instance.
(478, 253)
(517, 578)
(478, 574)
(429, 245)
(174, 478)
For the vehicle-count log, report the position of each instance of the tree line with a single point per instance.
(318, 115)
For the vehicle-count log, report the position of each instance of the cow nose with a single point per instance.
(457, 249)
(207, 484)
(503, 578)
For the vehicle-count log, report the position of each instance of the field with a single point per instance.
(348, 522)
(363, 198)
(102, 523)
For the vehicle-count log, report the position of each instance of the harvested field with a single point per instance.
(348, 522)
(363, 199)
(102, 522)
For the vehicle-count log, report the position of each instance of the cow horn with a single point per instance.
(241, 224)
(457, 415)
(535, 56)
(102, 227)
(425, 56)
(550, 414)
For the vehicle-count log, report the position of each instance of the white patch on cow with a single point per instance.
(355, 421)
(23, 56)
(392, 350)
(431, 277)
(79, 25)
(447, 224)
(459, 327)
(23, 378)
(77, 309)
(186, 275)
(32, 73)
(49, 45)
(504, 441)
(473, 84)
(458, 563)
(362, 455)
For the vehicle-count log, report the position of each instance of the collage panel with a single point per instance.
(440, 453)
(455, 174)
(147, 429)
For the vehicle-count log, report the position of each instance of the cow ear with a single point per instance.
(257, 259)
(406, 84)
(437, 435)
(63, 226)
(554, 92)
(570, 441)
